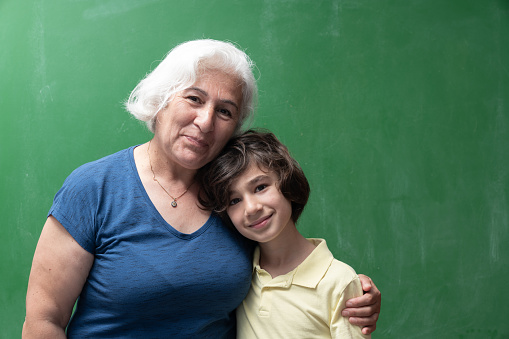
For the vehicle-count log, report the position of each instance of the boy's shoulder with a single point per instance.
(341, 280)
(339, 268)
(338, 274)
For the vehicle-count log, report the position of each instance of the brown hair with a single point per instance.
(259, 147)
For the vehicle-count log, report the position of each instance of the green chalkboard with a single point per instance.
(398, 111)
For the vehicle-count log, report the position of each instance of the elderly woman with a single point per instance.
(125, 237)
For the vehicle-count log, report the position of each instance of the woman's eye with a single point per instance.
(225, 112)
(193, 98)
(234, 201)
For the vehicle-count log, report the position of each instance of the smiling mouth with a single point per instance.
(197, 142)
(262, 222)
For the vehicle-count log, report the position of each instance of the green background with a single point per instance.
(396, 109)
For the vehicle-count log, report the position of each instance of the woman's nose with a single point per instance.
(205, 118)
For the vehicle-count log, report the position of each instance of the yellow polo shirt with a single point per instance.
(304, 303)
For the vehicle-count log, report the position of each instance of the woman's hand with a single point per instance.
(364, 311)
(59, 271)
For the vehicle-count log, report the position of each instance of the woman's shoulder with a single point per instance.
(96, 172)
(111, 160)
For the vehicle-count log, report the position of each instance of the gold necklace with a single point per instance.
(174, 202)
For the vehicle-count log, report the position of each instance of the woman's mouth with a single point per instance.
(197, 142)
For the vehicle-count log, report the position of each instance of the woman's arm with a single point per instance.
(364, 311)
(59, 270)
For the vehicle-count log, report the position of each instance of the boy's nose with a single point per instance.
(252, 205)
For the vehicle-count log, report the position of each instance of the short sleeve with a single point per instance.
(340, 327)
(75, 206)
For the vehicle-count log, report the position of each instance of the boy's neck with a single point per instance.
(285, 253)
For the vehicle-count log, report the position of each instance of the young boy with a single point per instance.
(298, 289)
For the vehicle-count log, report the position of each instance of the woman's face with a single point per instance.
(194, 127)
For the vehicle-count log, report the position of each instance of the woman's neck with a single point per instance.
(186, 217)
(162, 168)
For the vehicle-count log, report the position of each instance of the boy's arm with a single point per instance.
(340, 326)
(364, 310)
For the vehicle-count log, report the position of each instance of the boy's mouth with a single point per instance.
(260, 222)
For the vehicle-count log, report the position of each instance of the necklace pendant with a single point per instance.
(174, 203)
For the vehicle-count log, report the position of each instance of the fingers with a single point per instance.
(360, 312)
(364, 307)
(375, 297)
(366, 282)
(368, 329)
(372, 296)
(371, 287)
(369, 299)
(365, 321)
(364, 310)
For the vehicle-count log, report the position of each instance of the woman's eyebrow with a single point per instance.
(197, 89)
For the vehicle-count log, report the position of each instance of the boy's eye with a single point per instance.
(234, 201)
(260, 188)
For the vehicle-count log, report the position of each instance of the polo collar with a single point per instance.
(308, 274)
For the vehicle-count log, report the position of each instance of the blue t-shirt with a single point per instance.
(148, 280)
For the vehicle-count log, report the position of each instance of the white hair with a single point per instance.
(180, 69)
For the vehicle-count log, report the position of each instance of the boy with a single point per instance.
(298, 289)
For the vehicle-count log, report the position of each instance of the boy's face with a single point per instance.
(257, 207)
